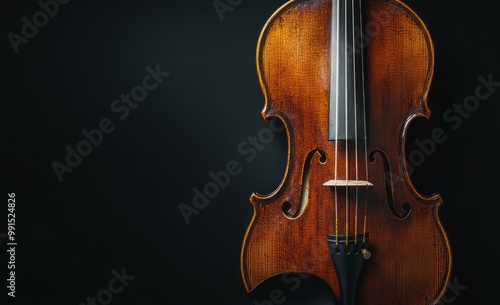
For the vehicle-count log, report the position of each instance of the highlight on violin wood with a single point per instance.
(347, 78)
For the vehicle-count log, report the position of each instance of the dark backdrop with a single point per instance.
(117, 211)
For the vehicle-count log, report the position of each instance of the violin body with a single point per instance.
(295, 228)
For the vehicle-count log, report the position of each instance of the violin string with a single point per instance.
(355, 121)
(346, 54)
(337, 123)
(364, 118)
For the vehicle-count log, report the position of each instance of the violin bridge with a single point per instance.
(347, 183)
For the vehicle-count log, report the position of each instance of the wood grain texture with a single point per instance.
(411, 259)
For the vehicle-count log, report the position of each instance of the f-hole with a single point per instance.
(388, 186)
(304, 196)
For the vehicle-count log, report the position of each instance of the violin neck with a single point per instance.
(347, 119)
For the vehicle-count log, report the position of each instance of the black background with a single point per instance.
(119, 207)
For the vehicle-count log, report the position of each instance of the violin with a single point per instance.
(346, 78)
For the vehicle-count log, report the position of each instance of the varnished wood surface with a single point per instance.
(411, 258)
